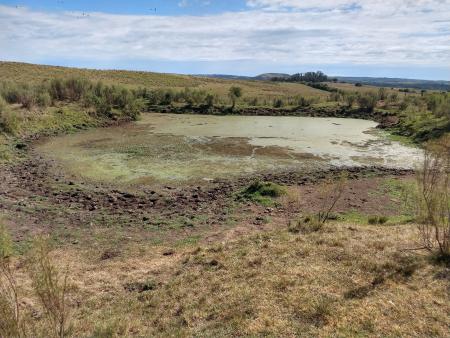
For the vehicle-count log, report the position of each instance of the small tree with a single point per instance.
(11, 324)
(330, 193)
(50, 287)
(433, 205)
(234, 93)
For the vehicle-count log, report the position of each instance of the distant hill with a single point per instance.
(225, 76)
(372, 81)
(261, 77)
(269, 76)
(397, 82)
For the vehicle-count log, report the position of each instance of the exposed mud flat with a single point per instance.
(183, 149)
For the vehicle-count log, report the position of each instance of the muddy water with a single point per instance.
(163, 148)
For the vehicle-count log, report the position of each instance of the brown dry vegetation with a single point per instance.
(345, 280)
(253, 277)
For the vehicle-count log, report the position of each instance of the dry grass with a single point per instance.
(343, 280)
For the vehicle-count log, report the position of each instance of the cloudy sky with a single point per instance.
(395, 38)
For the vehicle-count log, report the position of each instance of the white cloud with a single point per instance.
(328, 31)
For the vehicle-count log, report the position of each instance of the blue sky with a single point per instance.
(399, 38)
(146, 7)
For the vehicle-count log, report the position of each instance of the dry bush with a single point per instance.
(330, 193)
(50, 287)
(433, 197)
(11, 324)
(3, 104)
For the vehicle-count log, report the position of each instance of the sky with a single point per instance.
(380, 38)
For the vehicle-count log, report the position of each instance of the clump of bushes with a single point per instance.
(278, 103)
(110, 101)
(265, 189)
(375, 219)
(305, 225)
(367, 101)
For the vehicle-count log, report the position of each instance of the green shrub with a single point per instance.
(262, 193)
(44, 99)
(134, 108)
(27, 99)
(9, 122)
(265, 189)
(377, 220)
(367, 101)
(278, 103)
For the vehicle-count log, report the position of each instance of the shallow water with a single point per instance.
(163, 148)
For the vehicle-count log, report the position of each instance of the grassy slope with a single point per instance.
(347, 280)
(29, 73)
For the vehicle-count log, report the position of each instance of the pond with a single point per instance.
(169, 148)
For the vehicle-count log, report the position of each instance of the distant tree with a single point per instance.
(234, 93)
(310, 77)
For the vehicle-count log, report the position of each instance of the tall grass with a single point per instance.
(11, 324)
(49, 286)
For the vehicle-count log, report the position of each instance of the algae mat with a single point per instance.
(169, 148)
